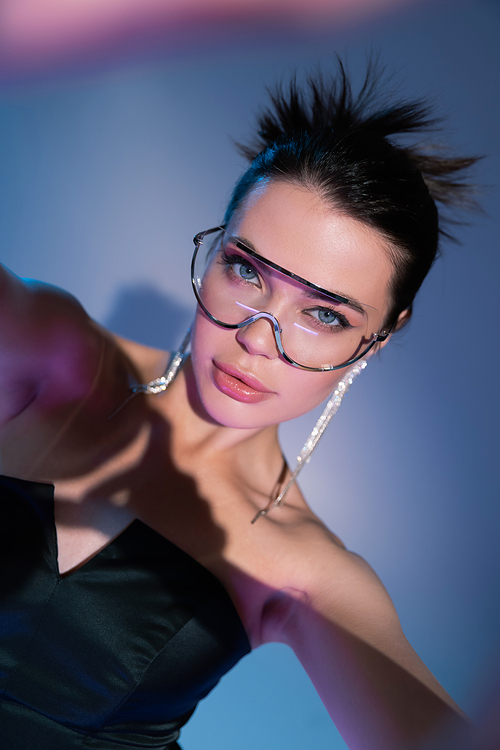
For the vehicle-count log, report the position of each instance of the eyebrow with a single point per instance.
(313, 291)
(312, 294)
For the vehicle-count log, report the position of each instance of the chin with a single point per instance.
(228, 412)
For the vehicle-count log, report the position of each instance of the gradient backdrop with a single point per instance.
(107, 173)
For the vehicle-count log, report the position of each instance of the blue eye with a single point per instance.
(329, 319)
(246, 271)
(241, 268)
(327, 316)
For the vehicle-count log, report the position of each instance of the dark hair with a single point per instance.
(326, 138)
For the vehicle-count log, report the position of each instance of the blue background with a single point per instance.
(105, 176)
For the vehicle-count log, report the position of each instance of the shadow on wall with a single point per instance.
(144, 314)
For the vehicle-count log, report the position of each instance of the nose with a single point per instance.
(259, 338)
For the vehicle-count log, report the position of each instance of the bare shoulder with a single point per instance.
(322, 576)
(49, 343)
(339, 620)
(54, 353)
(147, 361)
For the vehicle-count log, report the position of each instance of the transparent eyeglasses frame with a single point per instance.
(198, 241)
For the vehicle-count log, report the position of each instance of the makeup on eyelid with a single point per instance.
(262, 280)
(239, 257)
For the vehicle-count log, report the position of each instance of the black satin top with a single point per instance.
(113, 655)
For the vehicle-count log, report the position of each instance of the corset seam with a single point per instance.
(157, 656)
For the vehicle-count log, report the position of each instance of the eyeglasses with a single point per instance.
(317, 329)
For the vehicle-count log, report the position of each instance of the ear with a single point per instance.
(402, 320)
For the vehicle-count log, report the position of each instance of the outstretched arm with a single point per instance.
(343, 627)
(49, 348)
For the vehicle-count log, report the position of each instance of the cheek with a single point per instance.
(202, 349)
(304, 391)
(206, 338)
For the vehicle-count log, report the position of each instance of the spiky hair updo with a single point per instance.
(344, 146)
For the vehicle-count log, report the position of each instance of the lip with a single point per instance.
(239, 385)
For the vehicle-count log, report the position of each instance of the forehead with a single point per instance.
(294, 227)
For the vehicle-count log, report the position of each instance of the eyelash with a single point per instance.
(232, 260)
(228, 261)
(343, 323)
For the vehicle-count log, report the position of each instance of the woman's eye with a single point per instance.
(329, 318)
(246, 271)
(241, 268)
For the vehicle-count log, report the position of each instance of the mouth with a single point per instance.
(238, 385)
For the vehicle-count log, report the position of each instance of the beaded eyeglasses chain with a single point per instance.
(161, 384)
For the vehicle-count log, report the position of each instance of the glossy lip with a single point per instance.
(245, 378)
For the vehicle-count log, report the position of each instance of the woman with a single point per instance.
(136, 577)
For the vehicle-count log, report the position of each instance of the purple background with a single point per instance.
(105, 176)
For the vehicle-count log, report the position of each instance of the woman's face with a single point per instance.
(240, 377)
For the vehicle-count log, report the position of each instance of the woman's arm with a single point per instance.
(343, 627)
(49, 349)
